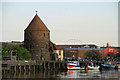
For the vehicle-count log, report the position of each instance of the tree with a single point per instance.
(5, 51)
(22, 53)
(93, 54)
(117, 55)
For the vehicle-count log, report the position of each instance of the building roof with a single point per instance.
(84, 48)
(56, 47)
(37, 25)
(110, 50)
(78, 46)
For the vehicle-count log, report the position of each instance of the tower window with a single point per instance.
(30, 33)
(44, 35)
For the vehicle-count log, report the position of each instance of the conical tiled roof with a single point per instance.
(37, 25)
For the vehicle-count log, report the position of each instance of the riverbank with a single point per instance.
(32, 65)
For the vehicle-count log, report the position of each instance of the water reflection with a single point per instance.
(92, 74)
(65, 74)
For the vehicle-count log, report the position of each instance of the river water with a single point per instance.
(63, 75)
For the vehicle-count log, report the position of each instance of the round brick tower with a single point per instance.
(36, 39)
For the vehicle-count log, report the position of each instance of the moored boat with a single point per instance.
(91, 66)
(73, 65)
(117, 65)
(107, 66)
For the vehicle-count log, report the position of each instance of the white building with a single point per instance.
(59, 53)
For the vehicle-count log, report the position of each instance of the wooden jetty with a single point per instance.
(33, 65)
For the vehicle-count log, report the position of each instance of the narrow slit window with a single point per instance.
(44, 35)
(30, 33)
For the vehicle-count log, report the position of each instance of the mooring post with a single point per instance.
(20, 68)
(33, 67)
(48, 66)
(25, 68)
(29, 67)
(54, 65)
(14, 68)
(63, 63)
(44, 65)
(59, 64)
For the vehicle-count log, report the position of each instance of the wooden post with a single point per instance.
(59, 65)
(20, 68)
(38, 67)
(15, 68)
(44, 65)
(63, 64)
(25, 68)
(54, 65)
(34, 67)
(48, 66)
(29, 67)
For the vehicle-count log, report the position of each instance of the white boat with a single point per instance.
(91, 66)
(73, 65)
(117, 65)
(107, 66)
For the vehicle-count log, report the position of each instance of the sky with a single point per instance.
(84, 22)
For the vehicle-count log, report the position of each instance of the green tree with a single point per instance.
(93, 54)
(5, 51)
(22, 53)
(118, 54)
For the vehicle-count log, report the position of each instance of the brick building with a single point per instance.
(80, 50)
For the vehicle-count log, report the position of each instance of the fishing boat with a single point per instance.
(117, 65)
(73, 65)
(91, 66)
(107, 66)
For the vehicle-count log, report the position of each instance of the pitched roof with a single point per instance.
(110, 50)
(37, 25)
(56, 47)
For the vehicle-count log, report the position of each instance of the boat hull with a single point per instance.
(73, 65)
(93, 68)
(75, 68)
(107, 66)
(117, 67)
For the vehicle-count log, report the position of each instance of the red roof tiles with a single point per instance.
(56, 47)
(37, 25)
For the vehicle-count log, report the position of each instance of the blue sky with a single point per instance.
(89, 22)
